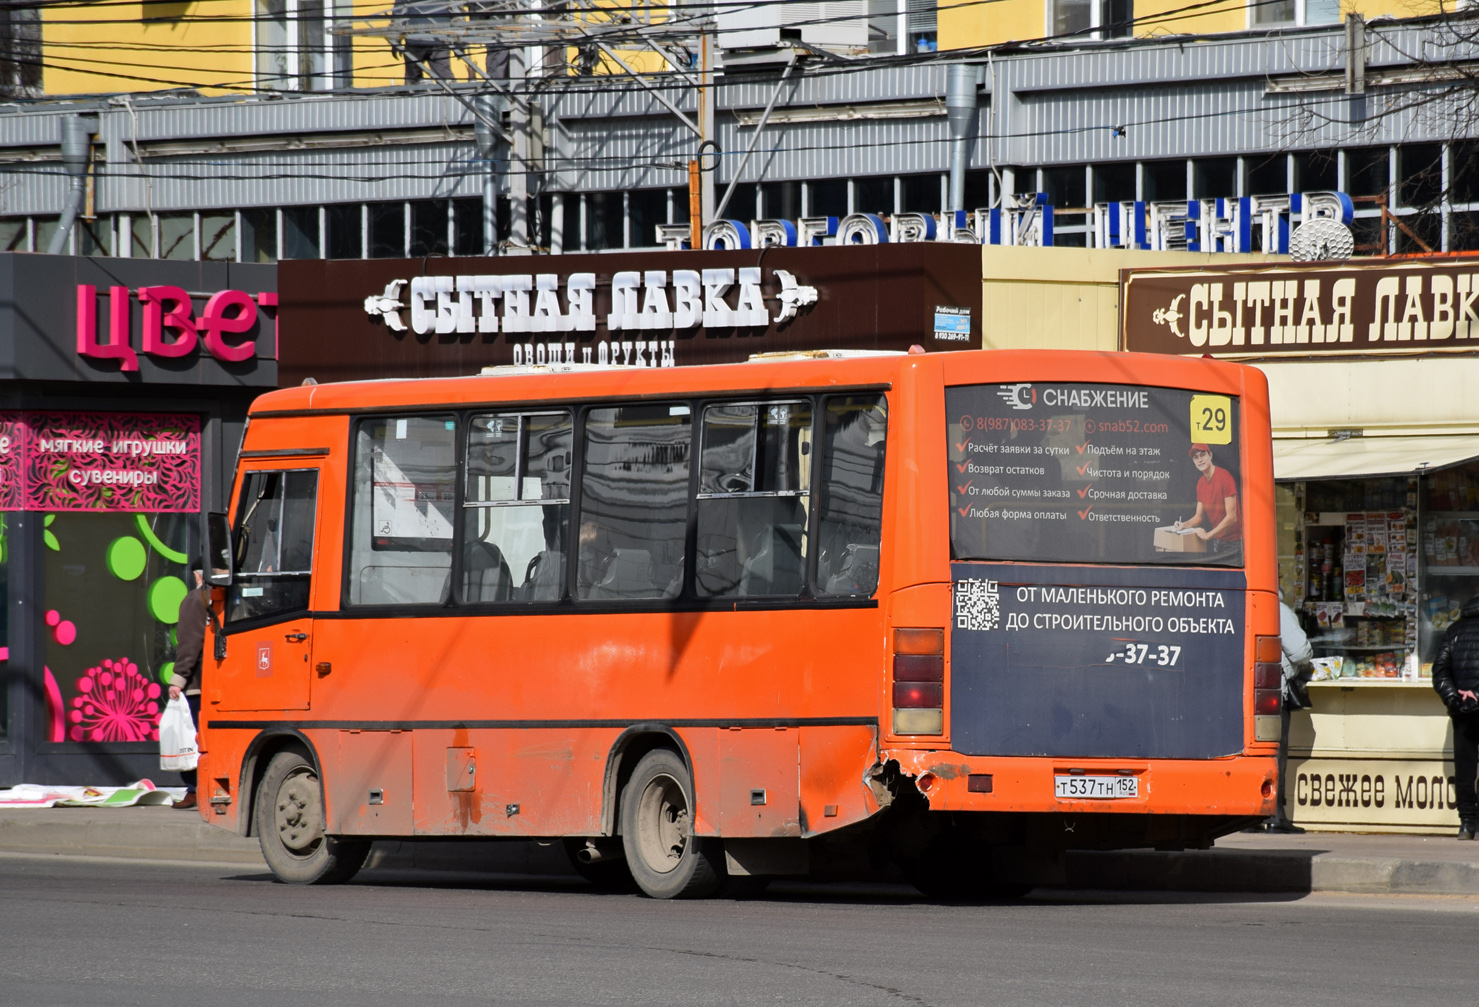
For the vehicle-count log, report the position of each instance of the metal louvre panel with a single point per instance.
(38, 189)
(581, 103)
(841, 149)
(833, 87)
(193, 119)
(38, 128)
(622, 154)
(1265, 53)
(1154, 61)
(360, 175)
(1201, 120)
(1082, 130)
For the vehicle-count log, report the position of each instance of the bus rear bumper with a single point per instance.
(1242, 785)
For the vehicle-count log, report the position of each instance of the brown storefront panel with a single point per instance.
(868, 297)
(1342, 310)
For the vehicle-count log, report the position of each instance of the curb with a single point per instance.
(129, 840)
(1249, 871)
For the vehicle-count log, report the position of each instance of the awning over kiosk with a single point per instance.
(1358, 457)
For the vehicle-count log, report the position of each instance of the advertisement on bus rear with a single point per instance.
(1091, 473)
(1099, 600)
(1097, 661)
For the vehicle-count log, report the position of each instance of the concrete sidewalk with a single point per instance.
(1312, 862)
(1243, 862)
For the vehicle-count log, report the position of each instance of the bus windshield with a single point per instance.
(1094, 473)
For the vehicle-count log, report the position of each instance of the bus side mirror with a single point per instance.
(217, 550)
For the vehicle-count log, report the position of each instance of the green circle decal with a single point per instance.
(166, 672)
(165, 595)
(126, 558)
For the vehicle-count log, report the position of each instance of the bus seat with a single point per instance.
(544, 577)
(628, 575)
(485, 574)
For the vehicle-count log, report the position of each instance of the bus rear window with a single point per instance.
(1094, 473)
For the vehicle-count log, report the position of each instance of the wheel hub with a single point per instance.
(300, 820)
(663, 825)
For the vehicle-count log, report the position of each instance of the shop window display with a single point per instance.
(113, 588)
(117, 495)
(1380, 568)
(4, 618)
(1354, 573)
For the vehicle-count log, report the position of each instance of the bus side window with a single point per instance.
(517, 507)
(634, 501)
(274, 544)
(850, 506)
(403, 505)
(753, 495)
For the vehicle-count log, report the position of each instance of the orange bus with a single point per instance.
(960, 612)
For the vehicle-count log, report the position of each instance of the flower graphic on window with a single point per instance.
(115, 702)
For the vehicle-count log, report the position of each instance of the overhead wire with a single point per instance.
(591, 86)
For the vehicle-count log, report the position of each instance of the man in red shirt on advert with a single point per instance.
(1217, 505)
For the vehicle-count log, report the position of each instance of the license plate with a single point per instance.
(1102, 787)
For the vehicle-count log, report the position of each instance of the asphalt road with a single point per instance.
(99, 932)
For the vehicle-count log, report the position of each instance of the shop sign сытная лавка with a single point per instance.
(369, 318)
(1338, 310)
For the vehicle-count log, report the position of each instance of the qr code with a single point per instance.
(977, 605)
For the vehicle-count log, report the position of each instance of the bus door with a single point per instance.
(268, 621)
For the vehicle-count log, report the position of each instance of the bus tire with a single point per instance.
(290, 827)
(666, 860)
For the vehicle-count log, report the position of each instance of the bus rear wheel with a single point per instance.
(290, 827)
(666, 859)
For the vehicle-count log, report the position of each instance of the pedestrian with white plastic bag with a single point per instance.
(177, 737)
(184, 687)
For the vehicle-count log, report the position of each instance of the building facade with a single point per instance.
(1083, 128)
(123, 392)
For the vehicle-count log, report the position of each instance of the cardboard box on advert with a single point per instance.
(1168, 539)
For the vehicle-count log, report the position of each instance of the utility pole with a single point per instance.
(489, 144)
(521, 123)
(706, 101)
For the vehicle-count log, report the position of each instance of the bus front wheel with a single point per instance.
(290, 827)
(666, 859)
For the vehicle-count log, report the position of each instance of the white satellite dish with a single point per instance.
(1321, 238)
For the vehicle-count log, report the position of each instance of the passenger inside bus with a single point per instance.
(516, 506)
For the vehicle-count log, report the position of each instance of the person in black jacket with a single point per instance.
(1456, 680)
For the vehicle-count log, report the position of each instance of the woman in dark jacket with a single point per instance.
(1456, 679)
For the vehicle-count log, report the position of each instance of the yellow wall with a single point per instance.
(970, 23)
(209, 45)
(113, 48)
(1067, 298)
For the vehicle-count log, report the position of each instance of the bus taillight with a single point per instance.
(1268, 679)
(919, 681)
